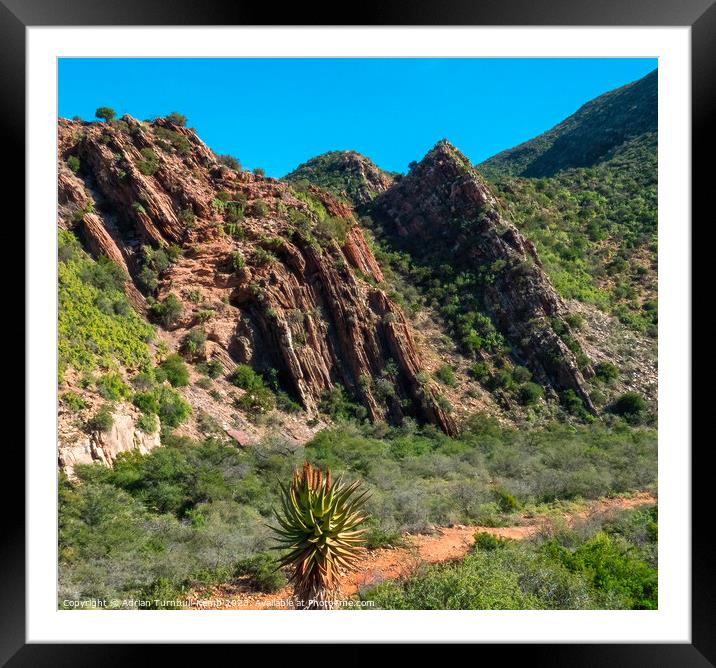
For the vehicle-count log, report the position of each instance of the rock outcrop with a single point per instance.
(443, 202)
(286, 276)
(76, 447)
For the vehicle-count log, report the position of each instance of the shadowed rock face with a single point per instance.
(444, 201)
(299, 304)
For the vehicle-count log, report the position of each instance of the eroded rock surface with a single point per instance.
(287, 276)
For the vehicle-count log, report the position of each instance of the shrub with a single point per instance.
(480, 371)
(336, 404)
(446, 375)
(259, 171)
(167, 312)
(262, 572)
(104, 275)
(333, 227)
(422, 377)
(487, 541)
(176, 118)
(606, 371)
(257, 398)
(105, 113)
(261, 256)
(521, 374)
(73, 162)
(73, 401)
(213, 368)
(205, 314)
(237, 260)
(147, 401)
(187, 217)
(175, 370)
(173, 409)
(611, 568)
(149, 164)
(629, 405)
(102, 420)
(229, 161)
(574, 320)
(194, 343)
(112, 387)
(506, 501)
(207, 424)
(444, 403)
(286, 404)
(259, 209)
(503, 379)
(245, 377)
(148, 423)
(530, 393)
(383, 389)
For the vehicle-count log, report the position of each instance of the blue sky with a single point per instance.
(276, 113)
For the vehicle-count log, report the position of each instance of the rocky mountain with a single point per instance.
(345, 174)
(454, 293)
(246, 269)
(592, 134)
(446, 212)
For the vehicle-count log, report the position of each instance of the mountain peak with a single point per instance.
(348, 175)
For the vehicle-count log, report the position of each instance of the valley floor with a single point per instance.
(446, 544)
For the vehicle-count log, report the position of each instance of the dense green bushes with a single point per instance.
(257, 397)
(446, 375)
(90, 333)
(630, 405)
(591, 567)
(569, 217)
(195, 510)
(175, 370)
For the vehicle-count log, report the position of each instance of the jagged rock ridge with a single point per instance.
(298, 302)
(444, 202)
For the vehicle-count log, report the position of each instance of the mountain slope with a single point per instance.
(590, 135)
(446, 217)
(239, 271)
(595, 229)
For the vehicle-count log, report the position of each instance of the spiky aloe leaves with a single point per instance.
(318, 525)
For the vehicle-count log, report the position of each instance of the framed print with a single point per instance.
(388, 323)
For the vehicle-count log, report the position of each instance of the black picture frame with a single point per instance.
(700, 15)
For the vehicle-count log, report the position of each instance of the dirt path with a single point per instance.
(446, 544)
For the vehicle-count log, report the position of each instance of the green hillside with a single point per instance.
(589, 136)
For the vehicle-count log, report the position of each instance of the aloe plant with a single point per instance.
(318, 525)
